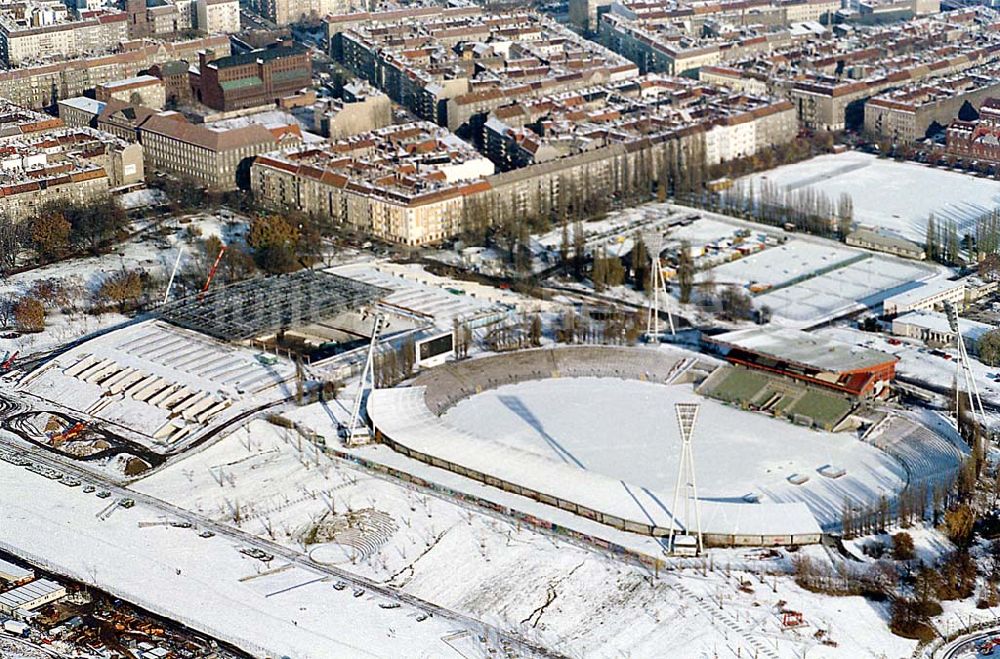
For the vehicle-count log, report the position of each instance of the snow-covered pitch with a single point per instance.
(626, 430)
(894, 196)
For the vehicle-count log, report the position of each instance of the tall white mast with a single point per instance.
(687, 414)
(965, 370)
(654, 243)
(367, 382)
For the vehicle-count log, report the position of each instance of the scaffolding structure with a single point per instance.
(251, 308)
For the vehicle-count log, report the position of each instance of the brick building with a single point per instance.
(252, 79)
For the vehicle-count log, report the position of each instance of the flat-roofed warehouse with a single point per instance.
(15, 574)
(858, 372)
(31, 596)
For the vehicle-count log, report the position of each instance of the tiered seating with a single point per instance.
(825, 410)
(927, 456)
(446, 385)
(777, 395)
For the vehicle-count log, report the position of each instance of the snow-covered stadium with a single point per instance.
(591, 430)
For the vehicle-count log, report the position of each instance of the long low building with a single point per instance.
(925, 297)
(31, 596)
(934, 329)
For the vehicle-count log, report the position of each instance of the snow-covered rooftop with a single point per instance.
(803, 348)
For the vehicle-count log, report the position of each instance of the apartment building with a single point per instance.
(286, 12)
(453, 65)
(905, 114)
(44, 85)
(38, 32)
(405, 183)
(217, 16)
(980, 139)
(76, 164)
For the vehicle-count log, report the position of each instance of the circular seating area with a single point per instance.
(448, 384)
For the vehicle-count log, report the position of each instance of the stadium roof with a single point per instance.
(261, 305)
(803, 348)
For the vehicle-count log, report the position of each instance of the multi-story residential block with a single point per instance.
(452, 65)
(904, 115)
(405, 183)
(556, 150)
(285, 12)
(36, 32)
(80, 111)
(361, 109)
(693, 16)
(731, 125)
(76, 164)
(252, 79)
(660, 47)
(980, 139)
(17, 121)
(43, 86)
(217, 16)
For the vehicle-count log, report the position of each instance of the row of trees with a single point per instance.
(807, 209)
(942, 243)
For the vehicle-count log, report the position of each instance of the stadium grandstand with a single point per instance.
(782, 397)
(823, 363)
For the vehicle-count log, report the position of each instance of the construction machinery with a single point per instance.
(211, 272)
(69, 433)
(8, 362)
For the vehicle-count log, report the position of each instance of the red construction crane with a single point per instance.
(8, 362)
(211, 273)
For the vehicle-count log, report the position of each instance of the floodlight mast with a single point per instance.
(687, 415)
(654, 242)
(367, 378)
(964, 367)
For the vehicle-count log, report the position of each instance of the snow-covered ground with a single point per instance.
(894, 196)
(83, 276)
(854, 287)
(783, 263)
(736, 452)
(203, 582)
(578, 602)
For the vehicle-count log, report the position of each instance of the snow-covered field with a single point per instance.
(894, 196)
(627, 430)
(783, 263)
